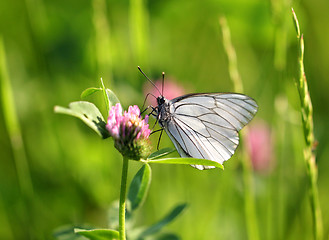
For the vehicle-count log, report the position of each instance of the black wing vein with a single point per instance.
(188, 136)
(206, 125)
(196, 137)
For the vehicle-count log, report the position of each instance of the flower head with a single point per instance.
(130, 131)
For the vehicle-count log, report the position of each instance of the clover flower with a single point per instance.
(130, 131)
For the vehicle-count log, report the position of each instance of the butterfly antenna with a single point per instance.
(163, 75)
(149, 80)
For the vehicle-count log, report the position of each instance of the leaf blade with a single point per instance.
(190, 161)
(89, 91)
(98, 234)
(113, 99)
(106, 99)
(160, 153)
(88, 113)
(139, 186)
(163, 222)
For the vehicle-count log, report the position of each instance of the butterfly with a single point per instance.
(204, 125)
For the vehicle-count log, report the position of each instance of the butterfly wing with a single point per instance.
(206, 125)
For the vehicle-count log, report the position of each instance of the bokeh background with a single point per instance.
(55, 171)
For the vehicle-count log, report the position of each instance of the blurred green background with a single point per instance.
(55, 171)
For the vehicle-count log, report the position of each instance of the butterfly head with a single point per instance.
(161, 100)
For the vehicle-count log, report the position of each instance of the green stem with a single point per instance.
(122, 204)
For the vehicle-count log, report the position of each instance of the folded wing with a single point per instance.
(206, 125)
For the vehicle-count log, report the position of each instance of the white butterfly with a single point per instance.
(205, 125)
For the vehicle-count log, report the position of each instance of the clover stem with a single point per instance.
(122, 204)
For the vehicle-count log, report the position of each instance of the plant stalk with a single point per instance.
(249, 199)
(307, 120)
(13, 127)
(102, 40)
(122, 203)
(139, 24)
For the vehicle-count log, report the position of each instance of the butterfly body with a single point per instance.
(205, 125)
(163, 111)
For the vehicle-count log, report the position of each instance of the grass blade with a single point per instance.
(139, 30)
(249, 201)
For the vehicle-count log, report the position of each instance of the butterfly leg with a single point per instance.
(161, 131)
(159, 138)
(147, 95)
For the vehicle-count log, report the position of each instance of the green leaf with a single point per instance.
(89, 91)
(109, 97)
(166, 220)
(191, 161)
(66, 233)
(113, 99)
(98, 234)
(88, 113)
(160, 153)
(139, 186)
(168, 236)
(106, 99)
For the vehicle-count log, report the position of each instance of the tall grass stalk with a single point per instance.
(6, 231)
(249, 204)
(11, 122)
(102, 40)
(307, 121)
(13, 128)
(279, 15)
(231, 55)
(139, 23)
